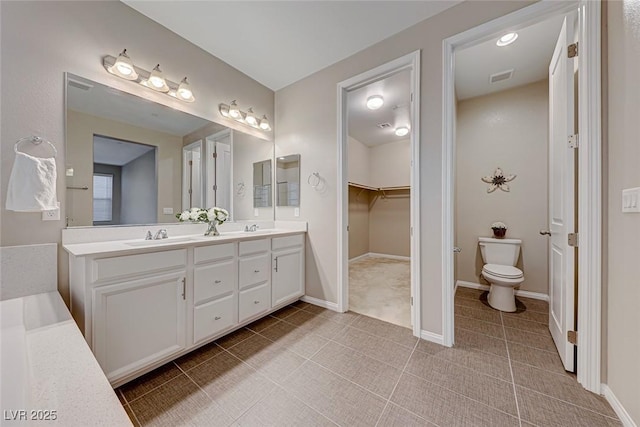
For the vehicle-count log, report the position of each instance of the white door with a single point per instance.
(223, 175)
(288, 275)
(561, 196)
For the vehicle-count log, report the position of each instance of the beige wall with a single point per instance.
(358, 222)
(623, 369)
(507, 129)
(391, 164)
(80, 131)
(390, 223)
(359, 157)
(306, 123)
(74, 36)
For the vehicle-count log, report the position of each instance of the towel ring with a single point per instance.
(315, 176)
(36, 140)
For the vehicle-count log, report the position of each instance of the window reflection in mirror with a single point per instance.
(262, 184)
(288, 180)
(142, 162)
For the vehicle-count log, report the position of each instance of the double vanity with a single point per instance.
(141, 303)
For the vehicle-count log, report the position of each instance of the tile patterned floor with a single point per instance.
(306, 366)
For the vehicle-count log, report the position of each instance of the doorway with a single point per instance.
(379, 183)
(587, 182)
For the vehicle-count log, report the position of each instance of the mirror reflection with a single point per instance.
(288, 180)
(132, 161)
(262, 184)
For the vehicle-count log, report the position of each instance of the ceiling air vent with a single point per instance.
(502, 75)
(384, 125)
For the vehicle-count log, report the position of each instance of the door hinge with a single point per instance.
(215, 187)
(411, 231)
(572, 337)
(190, 162)
(412, 97)
(214, 155)
(574, 141)
(572, 239)
(347, 228)
(412, 301)
(572, 50)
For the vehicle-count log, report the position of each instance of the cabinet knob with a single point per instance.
(217, 281)
(217, 318)
(256, 271)
(256, 302)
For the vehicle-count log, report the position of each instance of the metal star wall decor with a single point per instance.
(498, 180)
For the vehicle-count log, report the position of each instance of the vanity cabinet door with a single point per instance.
(287, 280)
(139, 322)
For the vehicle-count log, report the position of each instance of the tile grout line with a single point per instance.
(154, 388)
(513, 380)
(393, 390)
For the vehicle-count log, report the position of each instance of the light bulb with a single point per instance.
(507, 39)
(374, 102)
(234, 111)
(402, 131)
(251, 118)
(156, 80)
(184, 91)
(123, 67)
(264, 123)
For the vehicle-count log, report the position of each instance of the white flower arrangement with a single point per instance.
(499, 226)
(212, 215)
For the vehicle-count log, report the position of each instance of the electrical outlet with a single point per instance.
(51, 215)
(167, 211)
(631, 200)
(256, 212)
(296, 212)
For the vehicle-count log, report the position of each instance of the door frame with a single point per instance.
(411, 62)
(589, 170)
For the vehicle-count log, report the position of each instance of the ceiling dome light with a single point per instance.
(264, 123)
(507, 39)
(402, 131)
(234, 111)
(251, 118)
(184, 91)
(374, 102)
(123, 67)
(156, 80)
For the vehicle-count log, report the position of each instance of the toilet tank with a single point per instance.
(499, 251)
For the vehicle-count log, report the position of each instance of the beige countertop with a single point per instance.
(133, 246)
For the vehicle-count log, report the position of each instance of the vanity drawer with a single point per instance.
(122, 266)
(212, 280)
(213, 317)
(213, 253)
(253, 270)
(254, 301)
(287, 242)
(253, 247)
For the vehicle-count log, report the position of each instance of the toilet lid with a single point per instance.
(506, 271)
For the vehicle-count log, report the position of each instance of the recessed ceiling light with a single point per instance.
(402, 131)
(374, 102)
(507, 39)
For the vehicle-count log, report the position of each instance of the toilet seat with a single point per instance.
(503, 271)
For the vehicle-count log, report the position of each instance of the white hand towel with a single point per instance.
(32, 184)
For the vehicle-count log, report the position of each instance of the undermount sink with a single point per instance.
(169, 241)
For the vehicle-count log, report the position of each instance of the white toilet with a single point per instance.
(500, 257)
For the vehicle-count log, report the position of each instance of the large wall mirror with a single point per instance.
(132, 161)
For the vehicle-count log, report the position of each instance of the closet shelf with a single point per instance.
(366, 187)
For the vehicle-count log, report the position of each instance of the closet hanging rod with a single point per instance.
(77, 188)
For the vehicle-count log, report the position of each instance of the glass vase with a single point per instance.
(212, 229)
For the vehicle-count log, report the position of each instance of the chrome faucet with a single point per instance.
(161, 234)
(253, 227)
(149, 236)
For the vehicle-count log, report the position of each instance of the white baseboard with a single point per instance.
(430, 336)
(377, 255)
(622, 413)
(359, 257)
(320, 303)
(520, 293)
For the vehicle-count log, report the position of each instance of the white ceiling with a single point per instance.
(103, 101)
(280, 42)
(109, 151)
(363, 122)
(529, 56)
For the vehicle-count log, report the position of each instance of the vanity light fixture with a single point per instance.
(402, 131)
(123, 67)
(250, 118)
(374, 102)
(507, 39)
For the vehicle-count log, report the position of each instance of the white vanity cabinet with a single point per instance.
(140, 308)
(288, 268)
(135, 309)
